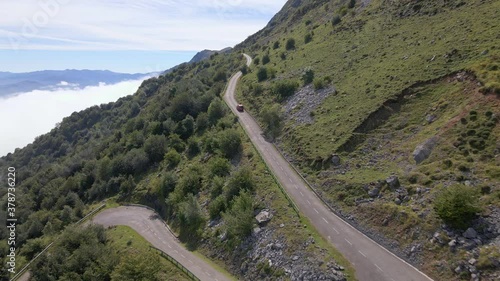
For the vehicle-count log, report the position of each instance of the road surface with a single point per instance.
(153, 229)
(371, 261)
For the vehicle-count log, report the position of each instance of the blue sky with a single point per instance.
(122, 35)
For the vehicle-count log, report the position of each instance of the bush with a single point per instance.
(336, 20)
(272, 120)
(241, 180)
(172, 158)
(239, 219)
(276, 45)
(230, 143)
(262, 74)
(308, 76)
(256, 61)
(156, 146)
(290, 44)
(191, 220)
(457, 206)
(219, 167)
(265, 59)
(308, 38)
(319, 84)
(351, 4)
(284, 89)
(216, 207)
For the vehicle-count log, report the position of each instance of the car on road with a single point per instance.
(240, 107)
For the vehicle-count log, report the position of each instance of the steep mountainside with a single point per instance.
(391, 110)
(173, 146)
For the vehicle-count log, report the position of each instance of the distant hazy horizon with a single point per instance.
(28, 115)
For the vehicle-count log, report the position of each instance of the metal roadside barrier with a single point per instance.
(176, 263)
(25, 268)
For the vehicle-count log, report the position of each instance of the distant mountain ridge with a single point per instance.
(205, 54)
(11, 83)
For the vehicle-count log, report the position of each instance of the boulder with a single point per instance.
(335, 160)
(264, 216)
(424, 150)
(470, 233)
(393, 182)
(374, 192)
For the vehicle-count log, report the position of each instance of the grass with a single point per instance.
(372, 63)
(127, 240)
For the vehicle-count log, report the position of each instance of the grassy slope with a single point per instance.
(374, 56)
(126, 240)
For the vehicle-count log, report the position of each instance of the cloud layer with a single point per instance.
(131, 25)
(29, 115)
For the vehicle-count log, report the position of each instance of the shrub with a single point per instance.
(308, 76)
(290, 44)
(276, 45)
(308, 38)
(216, 207)
(265, 59)
(351, 4)
(336, 20)
(319, 84)
(155, 146)
(272, 119)
(239, 219)
(283, 56)
(262, 74)
(457, 206)
(172, 158)
(284, 89)
(256, 61)
(219, 167)
(230, 143)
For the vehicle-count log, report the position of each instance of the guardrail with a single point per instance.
(25, 268)
(176, 263)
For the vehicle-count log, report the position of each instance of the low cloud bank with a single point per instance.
(25, 116)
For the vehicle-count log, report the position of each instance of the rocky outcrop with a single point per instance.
(424, 150)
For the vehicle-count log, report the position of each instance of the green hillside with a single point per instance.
(370, 82)
(390, 109)
(173, 146)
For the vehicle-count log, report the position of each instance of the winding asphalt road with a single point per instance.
(371, 261)
(150, 226)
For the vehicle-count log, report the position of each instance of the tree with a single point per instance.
(241, 180)
(262, 74)
(155, 147)
(216, 111)
(168, 184)
(202, 122)
(186, 127)
(272, 119)
(229, 143)
(290, 44)
(457, 205)
(191, 219)
(219, 167)
(239, 219)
